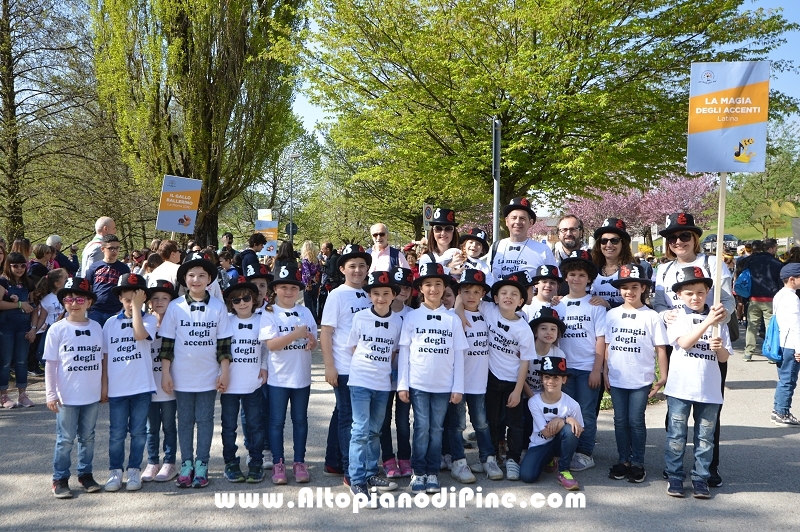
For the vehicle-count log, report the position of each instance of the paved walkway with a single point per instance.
(760, 465)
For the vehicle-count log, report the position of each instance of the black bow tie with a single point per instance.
(631, 316)
(477, 318)
(576, 303)
(384, 324)
(361, 294)
(246, 326)
(201, 308)
(292, 314)
(434, 317)
(472, 262)
(550, 410)
(697, 320)
(126, 325)
(85, 333)
(504, 327)
(515, 248)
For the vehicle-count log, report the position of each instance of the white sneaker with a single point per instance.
(134, 479)
(267, 459)
(114, 482)
(512, 470)
(150, 473)
(477, 467)
(446, 463)
(460, 471)
(581, 462)
(493, 471)
(167, 472)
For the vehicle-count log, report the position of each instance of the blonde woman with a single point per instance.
(310, 269)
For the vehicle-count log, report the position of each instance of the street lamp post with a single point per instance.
(293, 157)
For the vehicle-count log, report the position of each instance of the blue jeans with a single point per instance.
(577, 387)
(369, 409)
(127, 414)
(264, 391)
(562, 445)
(333, 453)
(14, 347)
(74, 422)
(251, 405)
(458, 422)
(279, 399)
(429, 412)
(100, 317)
(161, 415)
(787, 381)
(402, 423)
(344, 412)
(195, 408)
(629, 428)
(705, 421)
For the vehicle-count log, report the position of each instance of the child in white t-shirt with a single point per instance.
(694, 380)
(337, 319)
(49, 305)
(73, 385)
(430, 373)
(584, 344)
(290, 332)
(636, 340)
(195, 358)
(128, 379)
(546, 279)
(399, 465)
(162, 412)
(557, 425)
(373, 339)
(473, 246)
(248, 372)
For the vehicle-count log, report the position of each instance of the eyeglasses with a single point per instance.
(376, 235)
(77, 300)
(112, 248)
(246, 299)
(615, 240)
(18, 265)
(684, 237)
(443, 228)
(566, 230)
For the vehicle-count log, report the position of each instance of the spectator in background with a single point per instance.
(22, 246)
(226, 262)
(384, 257)
(70, 264)
(171, 260)
(765, 275)
(155, 244)
(227, 244)
(37, 268)
(284, 257)
(311, 273)
(249, 257)
(93, 251)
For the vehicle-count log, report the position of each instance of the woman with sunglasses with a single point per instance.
(682, 248)
(442, 238)
(612, 249)
(16, 330)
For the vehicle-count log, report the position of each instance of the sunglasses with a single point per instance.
(77, 300)
(246, 299)
(376, 235)
(615, 240)
(683, 237)
(19, 265)
(443, 228)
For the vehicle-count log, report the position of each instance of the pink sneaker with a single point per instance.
(300, 471)
(566, 480)
(150, 472)
(6, 402)
(405, 468)
(24, 400)
(279, 473)
(167, 472)
(391, 469)
(551, 466)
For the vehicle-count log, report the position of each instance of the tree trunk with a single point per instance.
(15, 225)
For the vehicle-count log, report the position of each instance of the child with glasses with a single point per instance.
(73, 382)
(103, 276)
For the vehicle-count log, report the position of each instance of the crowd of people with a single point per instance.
(525, 337)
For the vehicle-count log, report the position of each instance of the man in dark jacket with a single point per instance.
(71, 263)
(249, 257)
(765, 275)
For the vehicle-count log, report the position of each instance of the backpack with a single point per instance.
(743, 284)
(394, 258)
(772, 341)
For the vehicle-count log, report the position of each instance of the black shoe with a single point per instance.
(381, 483)
(664, 474)
(714, 480)
(637, 474)
(88, 483)
(700, 489)
(61, 489)
(619, 471)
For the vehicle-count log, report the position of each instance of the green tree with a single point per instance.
(200, 89)
(590, 93)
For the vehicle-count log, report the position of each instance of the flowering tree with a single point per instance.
(641, 209)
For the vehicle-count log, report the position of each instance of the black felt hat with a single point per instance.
(131, 281)
(519, 203)
(193, 261)
(554, 366)
(615, 226)
(402, 276)
(631, 272)
(78, 286)
(477, 234)
(354, 251)
(548, 315)
(241, 282)
(678, 222)
(546, 271)
(259, 272)
(520, 280)
(584, 258)
(431, 270)
(444, 217)
(288, 274)
(162, 285)
(689, 275)
(381, 279)
(473, 277)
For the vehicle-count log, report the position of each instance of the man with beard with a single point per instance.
(570, 237)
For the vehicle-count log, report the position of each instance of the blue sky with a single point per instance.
(787, 82)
